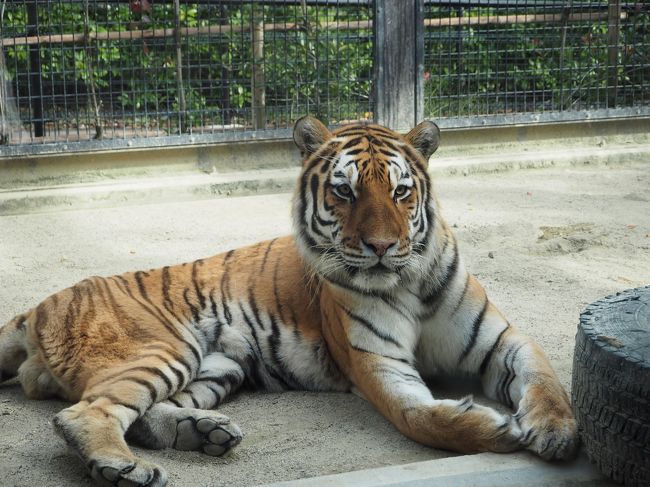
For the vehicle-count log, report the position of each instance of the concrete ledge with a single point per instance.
(482, 470)
(185, 186)
(531, 158)
(129, 191)
(67, 168)
(180, 174)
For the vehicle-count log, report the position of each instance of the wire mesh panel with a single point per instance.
(501, 61)
(76, 70)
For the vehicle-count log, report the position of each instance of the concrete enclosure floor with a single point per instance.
(543, 242)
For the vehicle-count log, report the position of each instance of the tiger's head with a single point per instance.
(363, 207)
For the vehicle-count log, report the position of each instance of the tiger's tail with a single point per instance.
(13, 349)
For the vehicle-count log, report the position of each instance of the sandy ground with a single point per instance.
(543, 242)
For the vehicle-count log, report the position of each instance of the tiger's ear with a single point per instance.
(309, 134)
(425, 138)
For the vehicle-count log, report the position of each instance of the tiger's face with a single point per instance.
(363, 208)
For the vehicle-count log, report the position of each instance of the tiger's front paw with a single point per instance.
(549, 429)
(496, 432)
(466, 427)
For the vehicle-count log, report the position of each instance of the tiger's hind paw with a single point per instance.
(214, 436)
(125, 473)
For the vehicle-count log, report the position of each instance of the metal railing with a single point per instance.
(105, 74)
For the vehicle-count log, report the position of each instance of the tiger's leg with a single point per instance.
(512, 368)
(395, 388)
(185, 421)
(381, 365)
(13, 350)
(515, 371)
(112, 400)
(37, 381)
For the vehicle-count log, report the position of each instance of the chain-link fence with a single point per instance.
(494, 61)
(99, 69)
(88, 74)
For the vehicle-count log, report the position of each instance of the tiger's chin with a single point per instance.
(376, 278)
(331, 266)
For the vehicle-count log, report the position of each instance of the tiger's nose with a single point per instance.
(379, 246)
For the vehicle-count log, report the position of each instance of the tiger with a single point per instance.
(369, 295)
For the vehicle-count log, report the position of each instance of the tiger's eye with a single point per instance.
(401, 190)
(344, 190)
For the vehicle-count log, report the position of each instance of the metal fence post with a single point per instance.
(613, 39)
(182, 103)
(35, 84)
(399, 63)
(258, 102)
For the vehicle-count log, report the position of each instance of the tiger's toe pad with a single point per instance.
(213, 436)
(116, 472)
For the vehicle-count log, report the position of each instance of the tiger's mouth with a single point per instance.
(372, 277)
(379, 268)
(376, 270)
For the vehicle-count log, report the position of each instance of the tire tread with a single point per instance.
(611, 398)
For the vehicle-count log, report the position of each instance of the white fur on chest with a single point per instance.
(386, 326)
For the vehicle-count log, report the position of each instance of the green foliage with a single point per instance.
(305, 69)
(528, 67)
(469, 70)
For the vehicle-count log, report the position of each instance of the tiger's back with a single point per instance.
(255, 304)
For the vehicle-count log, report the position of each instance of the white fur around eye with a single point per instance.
(345, 172)
(401, 191)
(400, 175)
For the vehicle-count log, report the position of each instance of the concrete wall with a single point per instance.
(109, 178)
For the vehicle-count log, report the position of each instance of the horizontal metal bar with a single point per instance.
(21, 150)
(353, 3)
(524, 4)
(341, 3)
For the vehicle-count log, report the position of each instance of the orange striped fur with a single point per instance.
(369, 294)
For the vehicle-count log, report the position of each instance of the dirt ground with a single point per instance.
(543, 242)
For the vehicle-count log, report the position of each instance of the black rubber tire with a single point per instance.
(611, 385)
